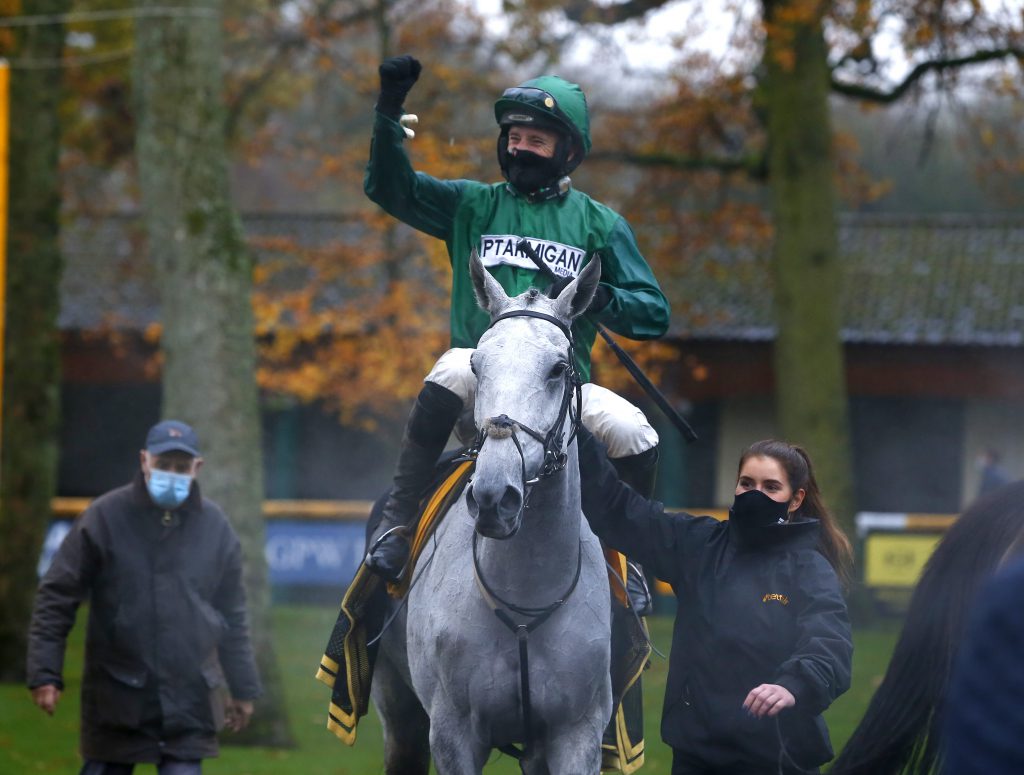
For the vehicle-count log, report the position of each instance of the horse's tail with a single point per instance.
(900, 730)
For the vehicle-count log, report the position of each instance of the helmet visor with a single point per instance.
(539, 100)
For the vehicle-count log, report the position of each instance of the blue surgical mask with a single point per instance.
(168, 490)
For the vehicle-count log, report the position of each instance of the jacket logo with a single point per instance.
(563, 260)
(775, 596)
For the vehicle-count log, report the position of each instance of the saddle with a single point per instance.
(350, 652)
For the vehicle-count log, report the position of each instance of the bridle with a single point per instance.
(555, 458)
(553, 442)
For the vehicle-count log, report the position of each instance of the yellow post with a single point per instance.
(5, 94)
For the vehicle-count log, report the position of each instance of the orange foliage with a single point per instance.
(7, 39)
(357, 322)
(853, 182)
(371, 315)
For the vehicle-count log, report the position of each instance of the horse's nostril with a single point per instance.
(485, 501)
(511, 501)
(495, 510)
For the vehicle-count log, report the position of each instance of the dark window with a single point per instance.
(908, 454)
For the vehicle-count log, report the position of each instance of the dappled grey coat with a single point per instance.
(167, 623)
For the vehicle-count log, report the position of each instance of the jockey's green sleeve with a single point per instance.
(492, 218)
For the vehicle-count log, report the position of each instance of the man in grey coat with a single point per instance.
(161, 568)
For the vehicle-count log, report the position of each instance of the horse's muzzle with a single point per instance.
(497, 513)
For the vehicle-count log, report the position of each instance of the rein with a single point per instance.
(555, 459)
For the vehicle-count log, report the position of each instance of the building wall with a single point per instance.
(920, 417)
(744, 420)
(907, 453)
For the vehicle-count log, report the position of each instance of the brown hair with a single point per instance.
(795, 461)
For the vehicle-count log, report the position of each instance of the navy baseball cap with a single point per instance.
(170, 435)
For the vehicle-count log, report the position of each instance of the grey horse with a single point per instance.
(449, 681)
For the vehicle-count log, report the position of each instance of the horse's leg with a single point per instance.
(455, 746)
(406, 726)
(536, 763)
(576, 749)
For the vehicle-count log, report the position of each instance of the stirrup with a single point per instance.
(639, 594)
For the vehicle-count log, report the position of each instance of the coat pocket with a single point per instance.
(119, 696)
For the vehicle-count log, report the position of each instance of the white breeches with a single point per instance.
(620, 425)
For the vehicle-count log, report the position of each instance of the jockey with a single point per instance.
(544, 135)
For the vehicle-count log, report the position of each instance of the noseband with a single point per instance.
(502, 426)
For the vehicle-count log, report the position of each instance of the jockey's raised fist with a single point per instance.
(397, 76)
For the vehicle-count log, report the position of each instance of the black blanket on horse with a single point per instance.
(352, 646)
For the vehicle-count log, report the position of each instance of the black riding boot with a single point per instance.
(639, 472)
(426, 433)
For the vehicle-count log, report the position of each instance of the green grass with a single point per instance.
(31, 742)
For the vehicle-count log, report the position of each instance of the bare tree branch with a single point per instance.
(867, 93)
(753, 165)
(253, 86)
(282, 43)
(587, 12)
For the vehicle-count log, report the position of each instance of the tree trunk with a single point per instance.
(31, 369)
(810, 378)
(205, 275)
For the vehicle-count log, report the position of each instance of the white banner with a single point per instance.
(563, 260)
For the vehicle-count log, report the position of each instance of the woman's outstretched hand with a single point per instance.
(768, 700)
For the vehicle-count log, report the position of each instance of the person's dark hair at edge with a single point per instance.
(900, 731)
(834, 544)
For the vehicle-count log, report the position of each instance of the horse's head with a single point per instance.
(527, 393)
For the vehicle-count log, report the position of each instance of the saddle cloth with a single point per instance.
(362, 611)
(361, 617)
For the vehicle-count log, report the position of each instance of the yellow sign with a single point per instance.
(896, 559)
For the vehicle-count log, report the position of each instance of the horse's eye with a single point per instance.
(558, 369)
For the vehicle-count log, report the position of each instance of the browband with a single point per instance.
(518, 313)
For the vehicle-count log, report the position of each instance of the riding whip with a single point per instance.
(631, 366)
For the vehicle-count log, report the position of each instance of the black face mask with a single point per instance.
(529, 172)
(755, 509)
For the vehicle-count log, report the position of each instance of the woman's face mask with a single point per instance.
(755, 509)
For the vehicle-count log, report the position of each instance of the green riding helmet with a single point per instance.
(551, 102)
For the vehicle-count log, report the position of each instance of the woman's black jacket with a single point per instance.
(755, 605)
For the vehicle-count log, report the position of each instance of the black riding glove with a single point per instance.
(397, 76)
(602, 296)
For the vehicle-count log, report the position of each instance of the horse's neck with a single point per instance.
(543, 555)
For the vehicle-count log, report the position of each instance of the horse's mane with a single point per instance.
(900, 730)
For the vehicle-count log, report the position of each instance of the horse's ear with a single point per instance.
(577, 295)
(489, 293)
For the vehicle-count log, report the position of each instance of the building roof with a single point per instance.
(944, 279)
(948, 280)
